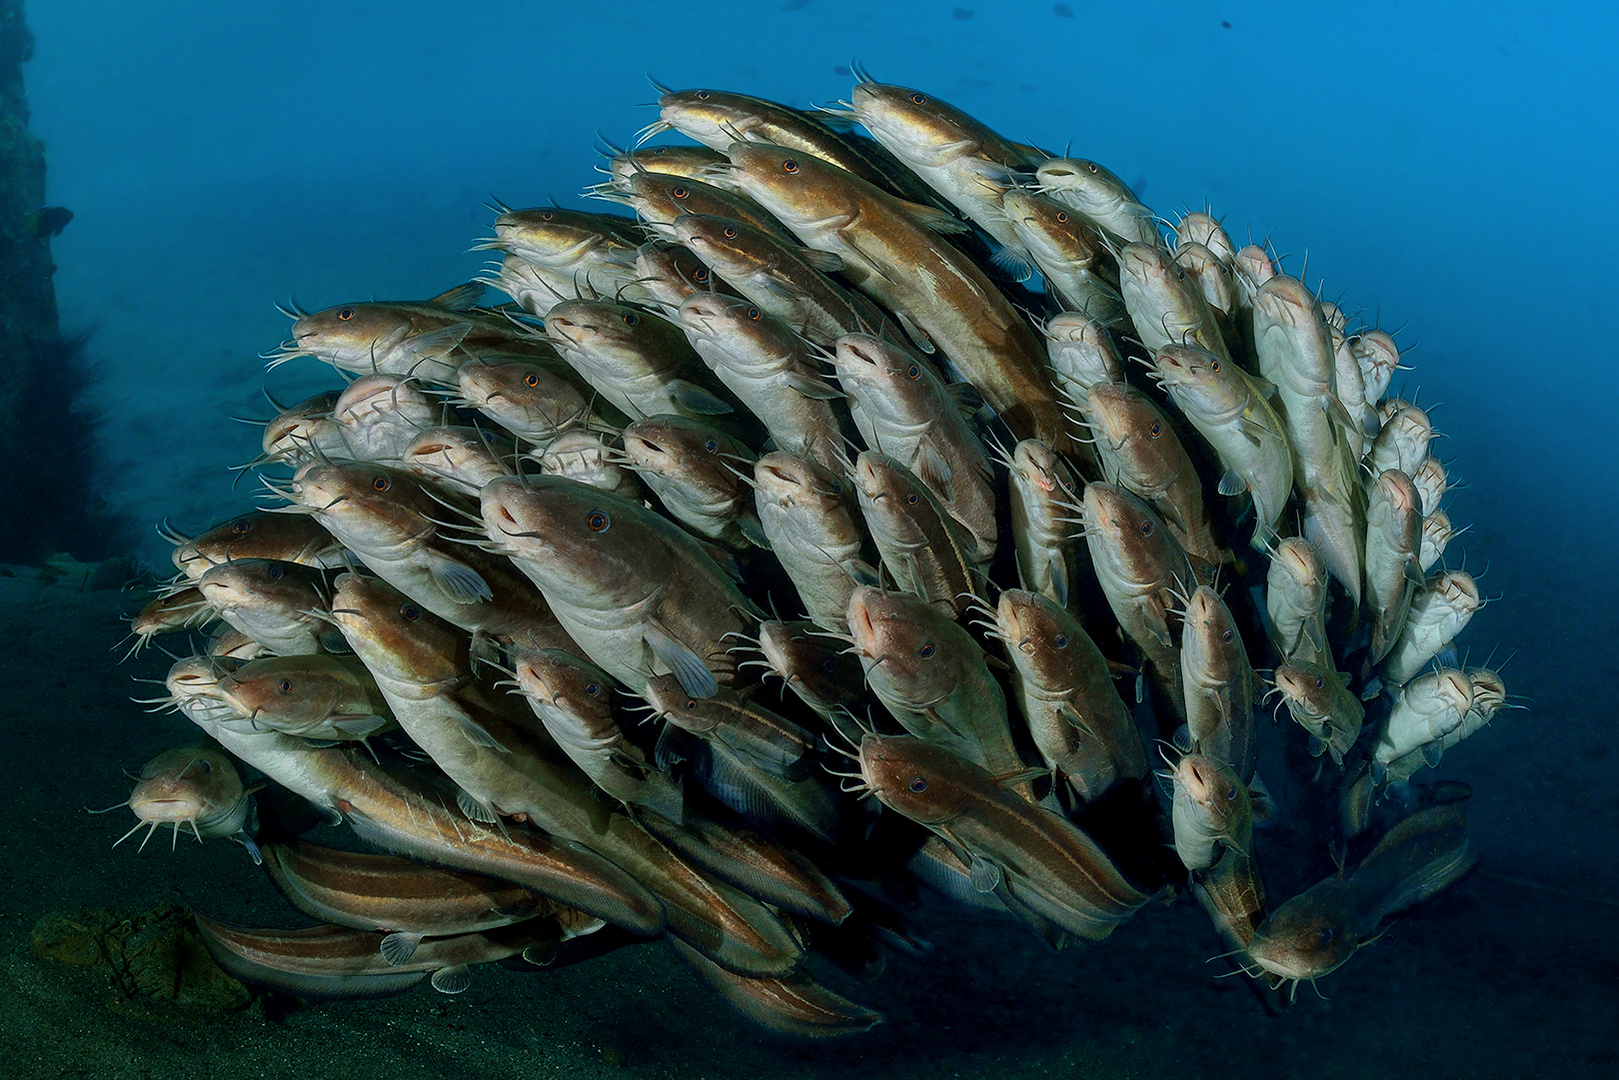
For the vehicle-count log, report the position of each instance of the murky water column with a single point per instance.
(46, 443)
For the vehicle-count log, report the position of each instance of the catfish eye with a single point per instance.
(1146, 528)
(631, 318)
(345, 313)
(789, 166)
(1091, 165)
(1214, 365)
(1062, 217)
(1325, 937)
(593, 689)
(1230, 794)
(918, 784)
(691, 703)
(1227, 636)
(598, 521)
(754, 314)
(1180, 273)
(702, 95)
(912, 499)
(206, 766)
(729, 233)
(1320, 682)
(913, 372)
(680, 191)
(381, 483)
(927, 650)
(532, 379)
(277, 573)
(1156, 430)
(410, 613)
(919, 99)
(284, 686)
(700, 275)
(1061, 641)
(712, 446)
(829, 664)
(241, 526)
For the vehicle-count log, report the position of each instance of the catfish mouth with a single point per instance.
(703, 312)
(868, 479)
(693, 241)
(1298, 567)
(1278, 306)
(784, 483)
(365, 397)
(571, 332)
(1096, 510)
(1011, 625)
(1138, 265)
(1191, 776)
(1199, 611)
(1113, 426)
(534, 683)
(229, 595)
(1458, 688)
(1398, 495)
(850, 348)
(1277, 962)
(169, 810)
(476, 394)
(642, 448)
(279, 433)
(429, 449)
(503, 517)
(874, 764)
(1169, 366)
(1034, 472)
(863, 630)
(1297, 688)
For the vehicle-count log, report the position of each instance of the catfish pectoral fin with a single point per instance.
(687, 666)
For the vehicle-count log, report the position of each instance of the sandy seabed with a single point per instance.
(1514, 974)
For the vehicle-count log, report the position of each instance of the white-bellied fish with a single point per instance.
(637, 594)
(194, 786)
(697, 471)
(1319, 698)
(904, 410)
(1065, 693)
(806, 513)
(1230, 410)
(769, 368)
(1440, 609)
(914, 271)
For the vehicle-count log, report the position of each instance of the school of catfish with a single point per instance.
(885, 513)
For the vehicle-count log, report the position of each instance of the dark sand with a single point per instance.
(1495, 979)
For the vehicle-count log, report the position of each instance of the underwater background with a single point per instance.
(1451, 167)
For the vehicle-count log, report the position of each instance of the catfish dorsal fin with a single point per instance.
(931, 217)
(461, 298)
(1018, 776)
(824, 261)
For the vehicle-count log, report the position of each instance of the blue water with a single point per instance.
(1451, 169)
